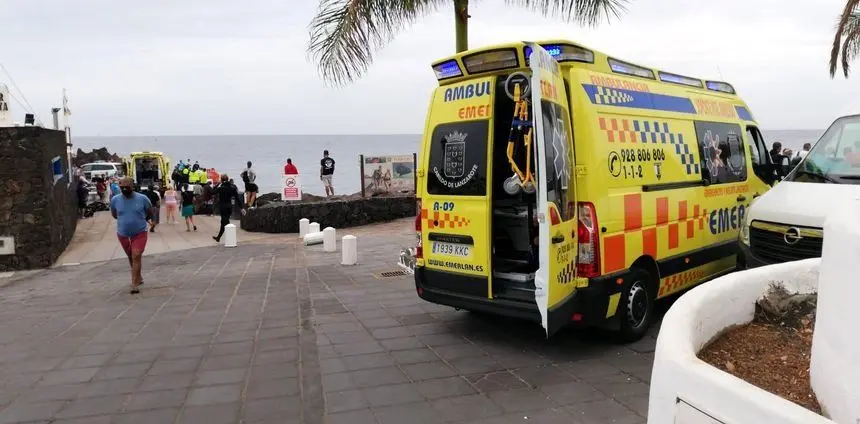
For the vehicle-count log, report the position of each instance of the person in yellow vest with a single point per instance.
(201, 176)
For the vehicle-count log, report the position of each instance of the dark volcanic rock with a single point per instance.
(82, 157)
(347, 211)
(37, 211)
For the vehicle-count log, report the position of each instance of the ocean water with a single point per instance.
(228, 153)
(269, 153)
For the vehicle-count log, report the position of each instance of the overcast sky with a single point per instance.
(161, 67)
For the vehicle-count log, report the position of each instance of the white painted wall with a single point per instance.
(686, 390)
(834, 370)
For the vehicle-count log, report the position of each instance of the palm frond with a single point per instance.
(850, 48)
(585, 12)
(844, 20)
(345, 34)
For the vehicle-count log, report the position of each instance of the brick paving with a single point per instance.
(274, 332)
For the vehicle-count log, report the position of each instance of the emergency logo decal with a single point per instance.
(561, 155)
(435, 219)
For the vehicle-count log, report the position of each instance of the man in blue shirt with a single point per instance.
(131, 211)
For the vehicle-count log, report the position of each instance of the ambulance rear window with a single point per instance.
(458, 159)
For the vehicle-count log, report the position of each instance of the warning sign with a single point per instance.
(292, 188)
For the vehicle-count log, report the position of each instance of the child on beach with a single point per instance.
(188, 207)
(170, 205)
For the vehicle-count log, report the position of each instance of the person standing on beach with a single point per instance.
(226, 193)
(290, 169)
(249, 177)
(130, 209)
(188, 207)
(326, 173)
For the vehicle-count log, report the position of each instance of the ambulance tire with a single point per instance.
(637, 306)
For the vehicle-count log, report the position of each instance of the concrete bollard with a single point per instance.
(229, 235)
(349, 245)
(329, 239)
(314, 227)
(304, 226)
(313, 238)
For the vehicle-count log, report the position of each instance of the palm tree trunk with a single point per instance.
(461, 19)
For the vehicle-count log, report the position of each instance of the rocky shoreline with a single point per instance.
(96, 155)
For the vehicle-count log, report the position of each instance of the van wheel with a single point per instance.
(637, 311)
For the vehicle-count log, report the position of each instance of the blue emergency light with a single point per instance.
(720, 86)
(680, 79)
(564, 53)
(447, 69)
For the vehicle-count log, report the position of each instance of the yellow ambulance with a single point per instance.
(561, 185)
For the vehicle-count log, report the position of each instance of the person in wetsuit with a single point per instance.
(226, 193)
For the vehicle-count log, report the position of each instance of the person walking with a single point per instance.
(326, 173)
(130, 209)
(83, 193)
(188, 207)
(170, 205)
(155, 200)
(249, 177)
(226, 193)
(290, 169)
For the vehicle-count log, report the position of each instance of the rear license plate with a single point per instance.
(451, 249)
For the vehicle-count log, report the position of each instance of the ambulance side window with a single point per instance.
(558, 157)
(722, 152)
(757, 148)
(458, 159)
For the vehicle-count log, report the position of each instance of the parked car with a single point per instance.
(101, 169)
(786, 223)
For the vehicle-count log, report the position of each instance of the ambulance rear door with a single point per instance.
(455, 206)
(556, 196)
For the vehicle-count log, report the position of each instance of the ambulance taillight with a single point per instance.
(588, 258)
(419, 247)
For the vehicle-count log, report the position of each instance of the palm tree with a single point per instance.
(846, 42)
(345, 34)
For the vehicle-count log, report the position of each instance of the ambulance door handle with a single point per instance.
(756, 195)
(741, 198)
(557, 239)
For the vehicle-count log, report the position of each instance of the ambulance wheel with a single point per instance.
(637, 306)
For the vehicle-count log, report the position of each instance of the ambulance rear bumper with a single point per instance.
(585, 307)
(469, 293)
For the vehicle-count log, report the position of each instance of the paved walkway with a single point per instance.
(273, 332)
(95, 238)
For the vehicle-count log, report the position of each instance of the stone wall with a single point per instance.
(38, 212)
(281, 217)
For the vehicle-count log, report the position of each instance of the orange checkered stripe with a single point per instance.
(436, 219)
(615, 246)
(680, 280)
(621, 133)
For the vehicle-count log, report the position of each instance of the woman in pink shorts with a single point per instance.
(171, 205)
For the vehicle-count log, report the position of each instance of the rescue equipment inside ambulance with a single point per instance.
(564, 186)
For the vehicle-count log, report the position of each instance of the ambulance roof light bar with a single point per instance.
(447, 69)
(720, 86)
(680, 79)
(564, 53)
(625, 68)
(492, 60)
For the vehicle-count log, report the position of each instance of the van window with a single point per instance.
(722, 152)
(558, 157)
(458, 159)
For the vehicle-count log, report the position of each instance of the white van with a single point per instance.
(786, 223)
(101, 169)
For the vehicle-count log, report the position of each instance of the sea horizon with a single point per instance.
(228, 153)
